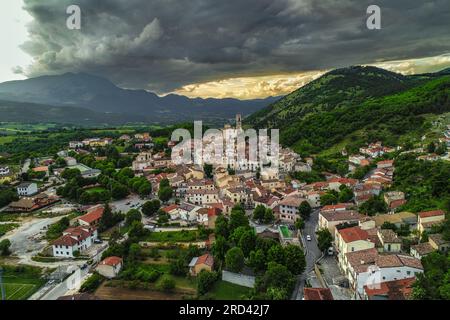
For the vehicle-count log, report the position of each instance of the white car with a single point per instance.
(308, 237)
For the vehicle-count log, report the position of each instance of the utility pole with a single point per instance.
(2, 288)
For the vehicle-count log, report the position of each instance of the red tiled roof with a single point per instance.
(213, 212)
(353, 234)
(205, 259)
(343, 180)
(93, 215)
(66, 240)
(336, 206)
(317, 294)
(434, 213)
(386, 162)
(394, 290)
(111, 261)
(170, 208)
(397, 203)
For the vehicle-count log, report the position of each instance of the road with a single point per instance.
(126, 204)
(312, 253)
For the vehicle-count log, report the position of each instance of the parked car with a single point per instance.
(330, 251)
(308, 237)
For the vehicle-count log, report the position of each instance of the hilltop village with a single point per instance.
(117, 217)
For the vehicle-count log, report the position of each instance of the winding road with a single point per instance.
(312, 253)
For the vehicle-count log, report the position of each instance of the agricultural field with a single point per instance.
(21, 282)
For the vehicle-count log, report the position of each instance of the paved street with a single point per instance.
(130, 202)
(312, 253)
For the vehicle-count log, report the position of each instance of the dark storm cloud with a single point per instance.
(161, 45)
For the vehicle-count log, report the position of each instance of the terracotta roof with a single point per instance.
(362, 259)
(389, 236)
(93, 215)
(434, 213)
(170, 208)
(423, 248)
(40, 169)
(317, 294)
(391, 162)
(336, 206)
(397, 203)
(111, 261)
(212, 212)
(393, 290)
(410, 262)
(292, 201)
(205, 259)
(66, 240)
(438, 238)
(341, 215)
(353, 234)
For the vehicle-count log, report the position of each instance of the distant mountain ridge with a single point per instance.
(102, 96)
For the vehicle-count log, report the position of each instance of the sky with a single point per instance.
(212, 48)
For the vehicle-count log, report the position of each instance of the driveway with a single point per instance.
(312, 253)
(27, 240)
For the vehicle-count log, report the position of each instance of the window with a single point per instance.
(408, 272)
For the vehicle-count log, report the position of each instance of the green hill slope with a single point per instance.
(359, 101)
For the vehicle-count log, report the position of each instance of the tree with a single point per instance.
(279, 277)
(269, 216)
(167, 283)
(324, 239)
(373, 206)
(107, 219)
(238, 218)
(300, 224)
(247, 242)
(4, 247)
(257, 260)
(345, 194)
(119, 191)
(131, 216)
(328, 198)
(220, 248)
(295, 259)
(431, 147)
(205, 281)
(234, 259)
(134, 252)
(276, 254)
(137, 231)
(145, 189)
(304, 210)
(165, 193)
(151, 207)
(208, 168)
(221, 228)
(178, 267)
(259, 213)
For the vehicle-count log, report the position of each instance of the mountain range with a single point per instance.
(101, 101)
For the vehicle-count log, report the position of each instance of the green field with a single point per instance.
(95, 189)
(21, 282)
(173, 236)
(4, 228)
(228, 291)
